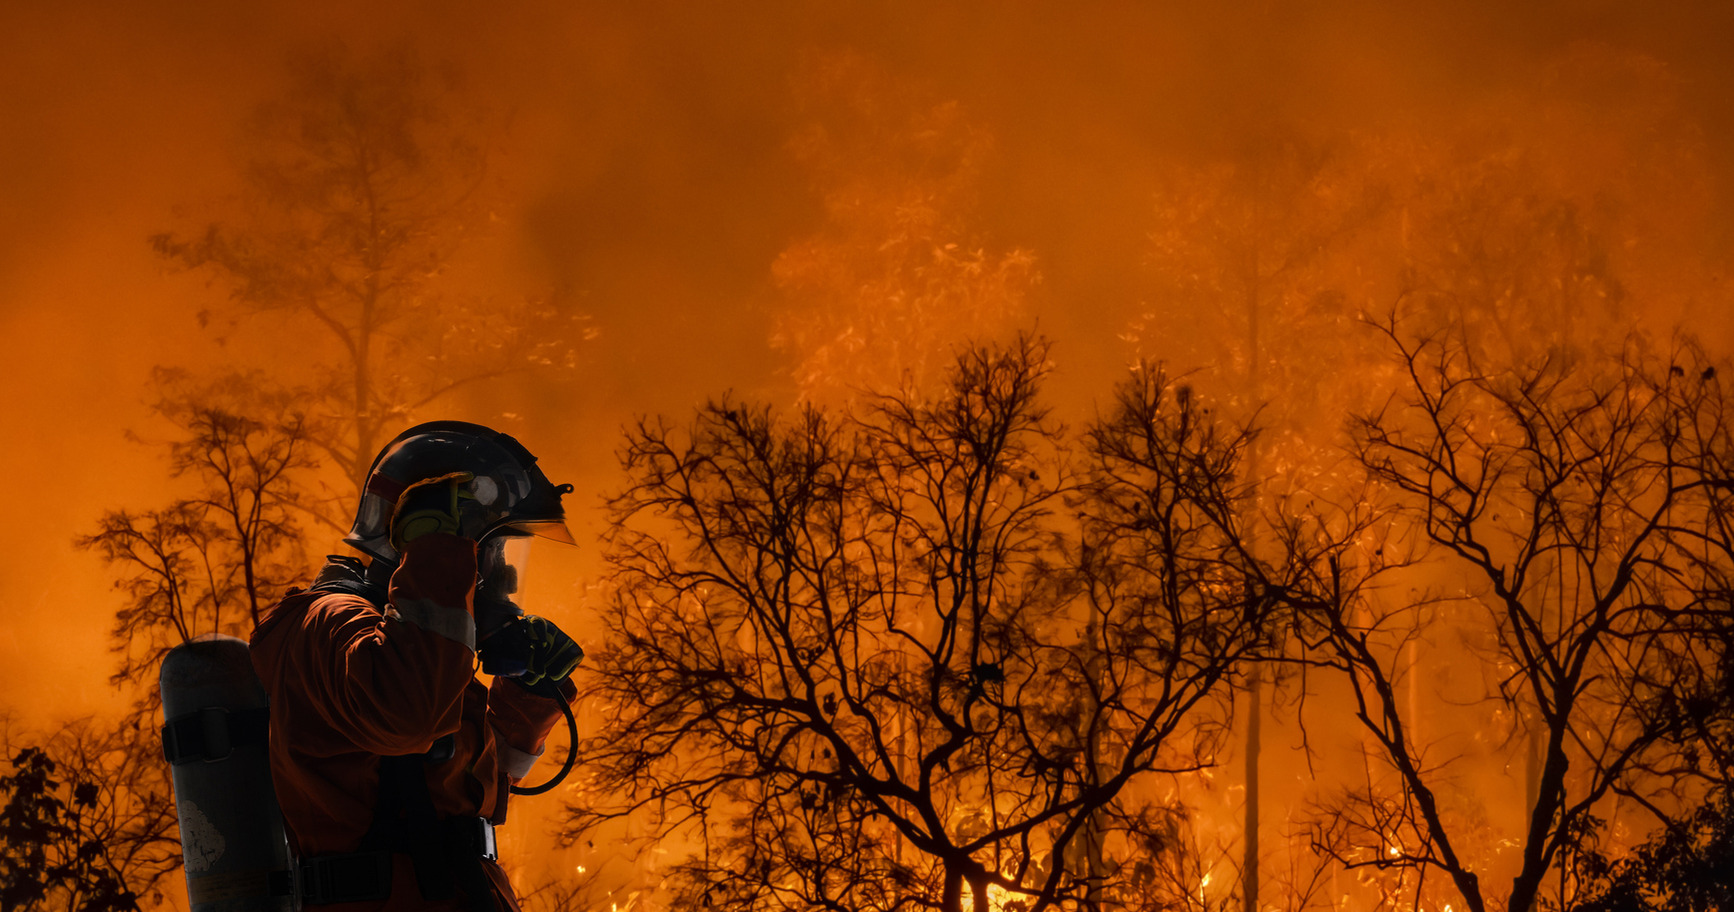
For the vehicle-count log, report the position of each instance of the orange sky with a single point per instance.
(644, 169)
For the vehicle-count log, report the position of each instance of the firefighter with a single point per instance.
(391, 761)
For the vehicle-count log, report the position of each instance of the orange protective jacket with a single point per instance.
(350, 683)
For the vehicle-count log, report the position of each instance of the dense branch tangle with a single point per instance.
(209, 562)
(911, 656)
(1577, 499)
(84, 823)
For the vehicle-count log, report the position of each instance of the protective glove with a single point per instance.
(543, 651)
(442, 504)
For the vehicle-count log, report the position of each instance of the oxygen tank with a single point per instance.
(232, 836)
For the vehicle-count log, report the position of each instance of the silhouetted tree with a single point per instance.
(901, 657)
(1524, 224)
(1687, 867)
(84, 827)
(1576, 499)
(211, 561)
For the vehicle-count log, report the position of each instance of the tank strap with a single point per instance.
(212, 733)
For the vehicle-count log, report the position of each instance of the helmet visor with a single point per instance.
(551, 529)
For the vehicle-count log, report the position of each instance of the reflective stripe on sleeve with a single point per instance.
(451, 623)
(513, 762)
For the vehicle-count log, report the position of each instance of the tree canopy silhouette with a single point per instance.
(903, 657)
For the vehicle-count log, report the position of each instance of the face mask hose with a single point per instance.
(551, 689)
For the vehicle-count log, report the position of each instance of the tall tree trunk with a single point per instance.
(1532, 766)
(1091, 837)
(1412, 692)
(1255, 690)
(1549, 799)
(951, 899)
(978, 891)
(1254, 725)
(1096, 895)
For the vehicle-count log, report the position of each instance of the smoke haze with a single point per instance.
(640, 162)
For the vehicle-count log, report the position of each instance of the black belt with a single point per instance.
(367, 876)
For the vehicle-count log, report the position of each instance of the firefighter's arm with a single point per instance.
(393, 682)
(520, 721)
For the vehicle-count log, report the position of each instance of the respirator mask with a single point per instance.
(500, 560)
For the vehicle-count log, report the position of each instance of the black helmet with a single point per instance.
(507, 483)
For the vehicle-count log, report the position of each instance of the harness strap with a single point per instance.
(404, 820)
(446, 853)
